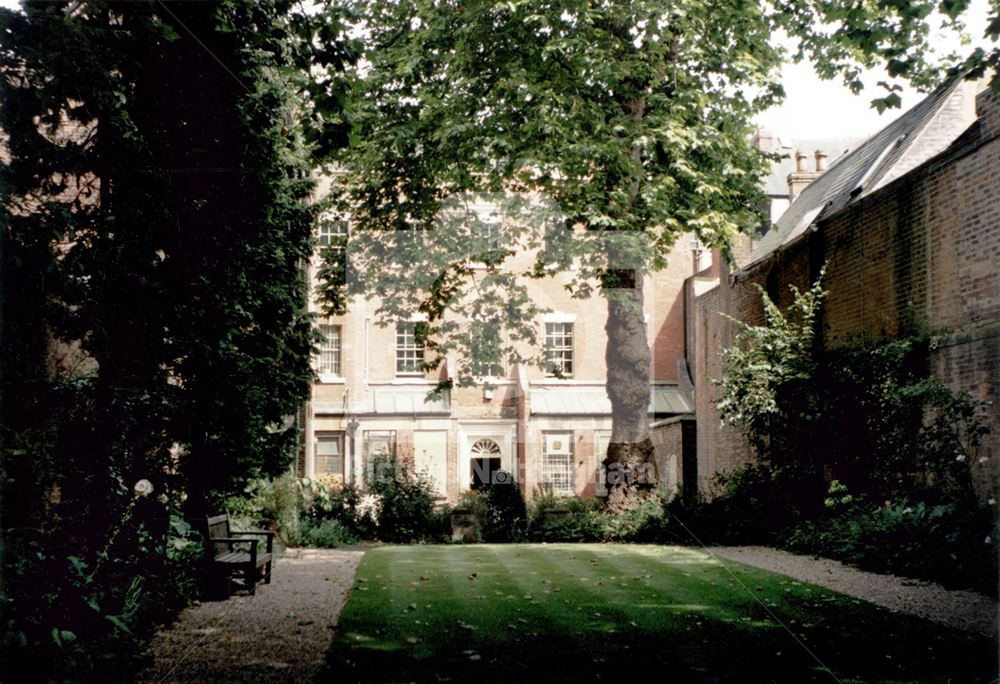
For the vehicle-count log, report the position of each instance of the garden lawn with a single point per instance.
(611, 612)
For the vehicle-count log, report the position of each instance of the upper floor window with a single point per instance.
(410, 347)
(329, 350)
(332, 232)
(485, 228)
(559, 349)
(485, 349)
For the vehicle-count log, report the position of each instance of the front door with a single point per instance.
(486, 458)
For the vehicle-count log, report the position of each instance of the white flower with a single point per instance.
(982, 459)
(991, 501)
(162, 498)
(987, 540)
(960, 458)
(143, 488)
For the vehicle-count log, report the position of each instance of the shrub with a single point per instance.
(502, 515)
(280, 500)
(870, 418)
(407, 501)
(642, 523)
(353, 509)
(327, 534)
(585, 520)
(947, 543)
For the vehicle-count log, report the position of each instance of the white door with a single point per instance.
(430, 455)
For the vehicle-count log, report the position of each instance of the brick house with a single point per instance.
(372, 397)
(909, 225)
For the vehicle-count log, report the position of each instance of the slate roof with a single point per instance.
(776, 183)
(915, 137)
(586, 401)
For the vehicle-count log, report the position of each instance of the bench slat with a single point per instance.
(237, 557)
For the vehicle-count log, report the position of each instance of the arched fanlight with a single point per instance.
(485, 447)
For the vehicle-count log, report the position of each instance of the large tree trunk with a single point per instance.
(630, 470)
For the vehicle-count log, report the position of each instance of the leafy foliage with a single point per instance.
(860, 454)
(156, 218)
(407, 501)
(767, 361)
(499, 509)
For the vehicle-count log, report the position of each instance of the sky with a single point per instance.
(816, 109)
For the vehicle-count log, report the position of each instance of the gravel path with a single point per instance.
(967, 610)
(279, 635)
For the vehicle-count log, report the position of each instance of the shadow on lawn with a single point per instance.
(679, 622)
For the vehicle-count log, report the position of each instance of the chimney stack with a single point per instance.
(800, 177)
(764, 140)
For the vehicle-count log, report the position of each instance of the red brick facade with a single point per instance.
(918, 255)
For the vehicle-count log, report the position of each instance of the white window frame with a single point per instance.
(328, 436)
(477, 368)
(486, 226)
(599, 456)
(329, 362)
(409, 355)
(563, 355)
(330, 227)
(558, 467)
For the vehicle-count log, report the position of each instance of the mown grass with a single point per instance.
(570, 612)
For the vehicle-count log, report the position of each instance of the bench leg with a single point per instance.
(251, 578)
(267, 573)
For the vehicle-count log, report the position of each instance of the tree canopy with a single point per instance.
(633, 118)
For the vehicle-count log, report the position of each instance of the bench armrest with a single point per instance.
(232, 540)
(260, 533)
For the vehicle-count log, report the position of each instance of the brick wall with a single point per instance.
(919, 255)
(719, 447)
(674, 442)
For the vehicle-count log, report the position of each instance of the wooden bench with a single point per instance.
(238, 551)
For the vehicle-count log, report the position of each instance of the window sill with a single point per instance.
(332, 379)
(411, 380)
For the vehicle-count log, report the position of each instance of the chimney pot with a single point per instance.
(800, 161)
(820, 161)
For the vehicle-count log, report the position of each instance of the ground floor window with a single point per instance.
(602, 439)
(377, 444)
(557, 462)
(329, 453)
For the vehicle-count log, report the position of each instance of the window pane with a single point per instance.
(409, 352)
(557, 462)
(329, 456)
(377, 444)
(559, 348)
(329, 352)
(332, 231)
(485, 350)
